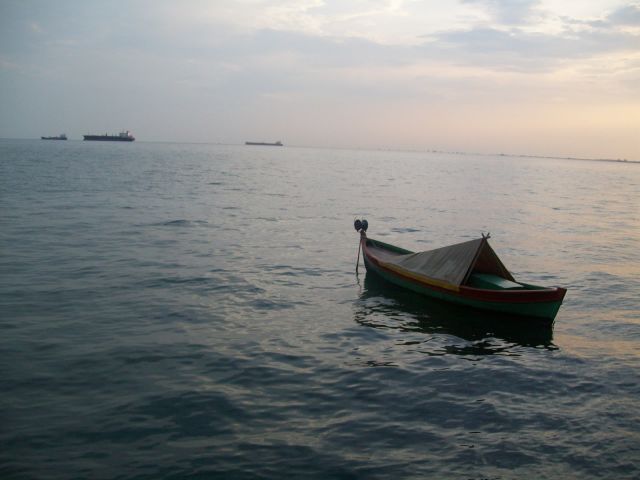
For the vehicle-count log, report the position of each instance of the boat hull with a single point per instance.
(537, 302)
(108, 138)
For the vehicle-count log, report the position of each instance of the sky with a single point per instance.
(539, 77)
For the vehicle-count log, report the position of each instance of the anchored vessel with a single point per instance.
(124, 136)
(62, 136)
(275, 144)
(468, 273)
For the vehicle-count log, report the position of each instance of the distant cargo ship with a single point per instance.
(121, 137)
(276, 144)
(62, 136)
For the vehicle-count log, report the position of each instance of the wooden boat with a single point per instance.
(468, 273)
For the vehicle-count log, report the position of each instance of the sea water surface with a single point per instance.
(193, 311)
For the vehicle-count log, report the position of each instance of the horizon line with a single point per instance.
(388, 149)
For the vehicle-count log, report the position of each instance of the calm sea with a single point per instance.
(192, 311)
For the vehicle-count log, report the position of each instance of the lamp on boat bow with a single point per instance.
(360, 225)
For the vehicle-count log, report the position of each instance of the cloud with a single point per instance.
(390, 66)
(510, 12)
(626, 15)
(522, 48)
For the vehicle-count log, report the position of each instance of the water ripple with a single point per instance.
(192, 311)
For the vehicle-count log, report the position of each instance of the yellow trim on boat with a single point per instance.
(420, 278)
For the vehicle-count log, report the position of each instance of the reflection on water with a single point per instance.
(386, 306)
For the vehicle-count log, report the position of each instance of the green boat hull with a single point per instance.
(539, 310)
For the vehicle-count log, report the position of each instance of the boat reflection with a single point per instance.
(383, 305)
